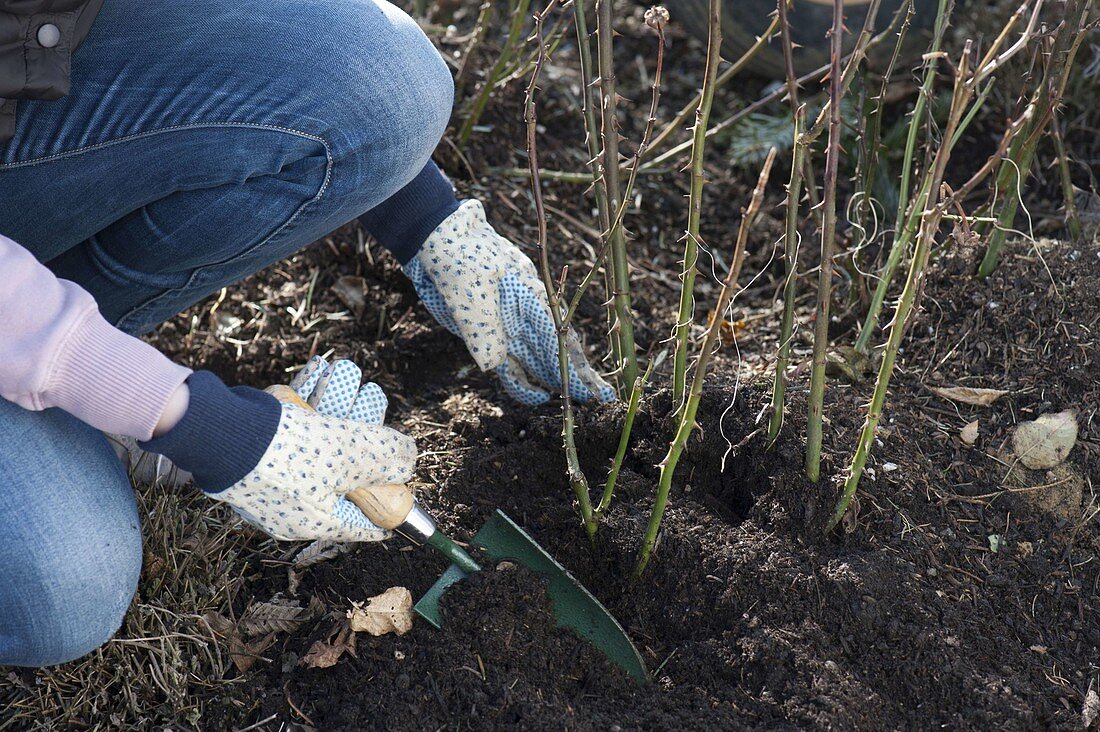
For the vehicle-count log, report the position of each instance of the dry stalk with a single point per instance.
(685, 316)
(577, 480)
(828, 240)
(710, 341)
(477, 37)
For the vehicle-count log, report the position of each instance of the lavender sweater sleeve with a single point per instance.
(56, 350)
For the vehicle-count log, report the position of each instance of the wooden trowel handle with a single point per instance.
(385, 505)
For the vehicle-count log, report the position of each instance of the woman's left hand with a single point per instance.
(482, 288)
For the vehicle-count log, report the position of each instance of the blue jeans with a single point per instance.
(203, 140)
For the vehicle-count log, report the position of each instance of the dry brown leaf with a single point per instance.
(1047, 441)
(320, 551)
(325, 653)
(1090, 710)
(246, 653)
(352, 291)
(390, 612)
(276, 614)
(969, 433)
(218, 623)
(969, 395)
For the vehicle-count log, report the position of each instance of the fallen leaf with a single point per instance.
(325, 653)
(352, 291)
(969, 433)
(969, 395)
(1047, 441)
(319, 551)
(246, 653)
(390, 612)
(1090, 711)
(276, 614)
(995, 542)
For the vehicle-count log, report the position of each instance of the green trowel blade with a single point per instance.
(574, 606)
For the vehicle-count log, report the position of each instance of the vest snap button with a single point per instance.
(49, 35)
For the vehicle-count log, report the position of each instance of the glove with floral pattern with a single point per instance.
(482, 288)
(287, 469)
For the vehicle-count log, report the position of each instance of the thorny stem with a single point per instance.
(624, 442)
(1073, 220)
(1048, 98)
(780, 92)
(477, 37)
(656, 18)
(623, 328)
(686, 314)
(477, 108)
(782, 12)
(790, 247)
(736, 68)
(874, 129)
(906, 227)
(577, 479)
(599, 184)
(691, 405)
(850, 67)
(930, 222)
(828, 240)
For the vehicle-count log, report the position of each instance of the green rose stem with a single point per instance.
(685, 316)
(577, 480)
(691, 405)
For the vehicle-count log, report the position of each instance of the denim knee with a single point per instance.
(385, 96)
(68, 602)
(70, 538)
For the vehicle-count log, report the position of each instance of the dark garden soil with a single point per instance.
(909, 619)
(960, 592)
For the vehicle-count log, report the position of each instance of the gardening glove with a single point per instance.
(282, 467)
(482, 288)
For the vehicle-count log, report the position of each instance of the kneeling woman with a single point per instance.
(152, 152)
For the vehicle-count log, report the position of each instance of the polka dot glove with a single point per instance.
(482, 288)
(297, 491)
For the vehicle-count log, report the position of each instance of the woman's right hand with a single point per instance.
(295, 487)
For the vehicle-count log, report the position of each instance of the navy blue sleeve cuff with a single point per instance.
(403, 222)
(224, 433)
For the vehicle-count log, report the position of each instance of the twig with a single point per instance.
(736, 68)
(477, 108)
(477, 37)
(1047, 99)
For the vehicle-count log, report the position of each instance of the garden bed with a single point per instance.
(960, 591)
